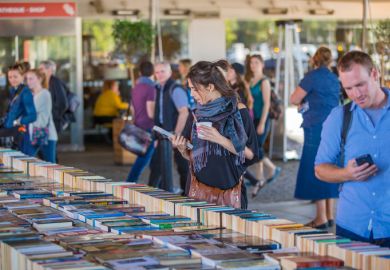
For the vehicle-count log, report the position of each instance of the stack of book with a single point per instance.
(109, 206)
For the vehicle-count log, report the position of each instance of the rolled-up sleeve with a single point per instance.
(180, 98)
(307, 82)
(329, 149)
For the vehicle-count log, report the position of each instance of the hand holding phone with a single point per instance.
(364, 159)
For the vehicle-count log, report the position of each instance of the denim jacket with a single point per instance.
(21, 106)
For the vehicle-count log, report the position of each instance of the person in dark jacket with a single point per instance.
(57, 90)
(21, 110)
(171, 112)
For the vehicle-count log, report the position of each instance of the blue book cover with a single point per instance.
(260, 218)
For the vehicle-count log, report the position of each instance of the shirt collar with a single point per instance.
(145, 80)
(387, 105)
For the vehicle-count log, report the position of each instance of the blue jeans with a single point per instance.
(26, 147)
(48, 151)
(383, 242)
(140, 163)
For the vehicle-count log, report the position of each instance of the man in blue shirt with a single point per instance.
(363, 212)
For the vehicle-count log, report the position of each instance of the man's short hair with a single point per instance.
(49, 64)
(146, 69)
(355, 57)
(186, 62)
(166, 64)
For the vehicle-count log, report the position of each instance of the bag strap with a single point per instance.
(18, 91)
(347, 121)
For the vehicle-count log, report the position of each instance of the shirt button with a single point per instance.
(374, 137)
(375, 155)
(372, 211)
(373, 194)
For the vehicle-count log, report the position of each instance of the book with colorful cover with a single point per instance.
(164, 219)
(30, 194)
(294, 262)
(93, 214)
(249, 242)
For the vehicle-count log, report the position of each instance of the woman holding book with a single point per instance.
(223, 137)
(42, 132)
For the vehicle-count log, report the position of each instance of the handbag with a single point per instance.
(40, 136)
(203, 192)
(135, 139)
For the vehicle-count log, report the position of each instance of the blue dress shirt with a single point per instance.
(363, 206)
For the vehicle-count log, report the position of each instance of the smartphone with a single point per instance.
(364, 159)
(168, 135)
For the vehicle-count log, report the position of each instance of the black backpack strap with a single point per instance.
(347, 120)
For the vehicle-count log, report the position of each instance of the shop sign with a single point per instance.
(27, 9)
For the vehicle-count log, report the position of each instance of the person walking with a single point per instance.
(171, 114)
(316, 95)
(261, 91)
(142, 106)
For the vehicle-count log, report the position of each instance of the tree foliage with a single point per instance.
(101, 31)
(382, 33)
(248, 32)
(132, 37)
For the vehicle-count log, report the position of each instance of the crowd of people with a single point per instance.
(222, 111)
(229, 123)
(37, 109)
(216, 93)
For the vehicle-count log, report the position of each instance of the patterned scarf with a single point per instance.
(226, 118)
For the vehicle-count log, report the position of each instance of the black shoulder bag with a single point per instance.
(347, 121)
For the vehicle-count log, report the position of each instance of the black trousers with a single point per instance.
(161, 167)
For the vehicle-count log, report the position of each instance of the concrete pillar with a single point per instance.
(206, 39)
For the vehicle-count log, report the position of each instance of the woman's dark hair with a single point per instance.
(204, 73)
(249, 73)
(20, 67)
(239, 86)
(146, 69)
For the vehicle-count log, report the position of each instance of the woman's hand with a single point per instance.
(260, 128)
(209, 134)
(180, 143)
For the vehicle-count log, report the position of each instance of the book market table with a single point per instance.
(58, 217)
